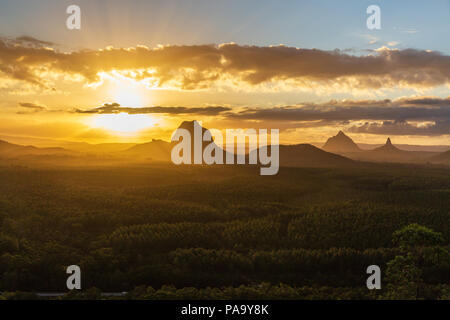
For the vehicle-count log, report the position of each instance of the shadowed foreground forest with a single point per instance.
(167, 232)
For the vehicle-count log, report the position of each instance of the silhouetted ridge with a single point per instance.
(307, 155)
(157, 150)
(13, 150)
(443, 157)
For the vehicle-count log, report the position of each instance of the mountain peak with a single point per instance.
(190, 125)
(388, 142)
(389, 148)
(340, 143)
(187, 124)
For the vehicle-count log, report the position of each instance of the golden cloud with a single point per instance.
(203, 66)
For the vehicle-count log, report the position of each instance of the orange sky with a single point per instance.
(139, 93)
(137, 69)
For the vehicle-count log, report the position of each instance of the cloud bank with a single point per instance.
(428, 116)
(202, 66)
(110, 108)
(404, 116)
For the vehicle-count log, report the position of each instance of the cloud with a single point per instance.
(109, 108)
(425, 101)
(405, 116)
(401, 109)
(392, 43)
(202, 66)
(421, 115)
(32, 108)
(371, 38)
(30, 41)
(437, 128)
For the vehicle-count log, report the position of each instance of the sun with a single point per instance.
(123, 123)
(129, 96)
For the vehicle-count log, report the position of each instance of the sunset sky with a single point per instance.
(136, 69)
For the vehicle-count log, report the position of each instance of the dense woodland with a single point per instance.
(167, 232)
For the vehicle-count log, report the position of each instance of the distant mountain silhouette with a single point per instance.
(307, 155)
(290, 155)
(157, 150)
(341, 143)
(344, 145)
(390, 153)
(443, 158)
(82, 147)
(388, 148)
(407, 147)
(8, 150)
(300, 155)
(189, 126)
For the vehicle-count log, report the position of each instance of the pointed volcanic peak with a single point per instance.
(190, 125)
(389, 148)
(301, 155)
(341, 143)
(160, 150)
(390, 153)
(194, 125)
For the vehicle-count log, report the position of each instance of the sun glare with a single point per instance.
(123, 123)
(129, 96)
